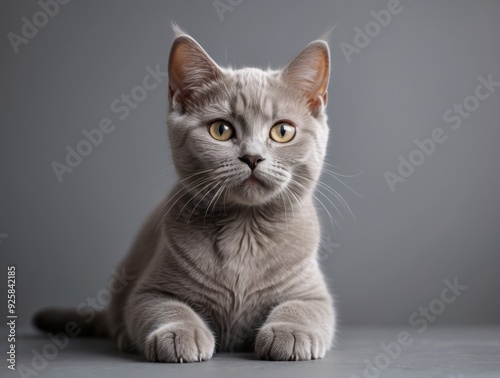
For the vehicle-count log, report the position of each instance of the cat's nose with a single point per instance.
(251, 160)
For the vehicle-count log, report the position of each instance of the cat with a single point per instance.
(228, 261)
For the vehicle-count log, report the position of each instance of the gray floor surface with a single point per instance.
(436, 352)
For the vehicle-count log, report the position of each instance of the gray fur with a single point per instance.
(221, 264)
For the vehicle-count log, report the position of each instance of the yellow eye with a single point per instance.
(282, 132)
(221, 130)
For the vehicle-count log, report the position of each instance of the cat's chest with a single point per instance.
(246, 238)
(234, 275)
(243, 250)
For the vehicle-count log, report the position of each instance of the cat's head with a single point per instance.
(249, 136)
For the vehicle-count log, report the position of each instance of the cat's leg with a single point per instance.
(120, 336)
(297, 330)
(167, 330)
(116, 323)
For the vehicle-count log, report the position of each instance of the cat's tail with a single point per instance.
(69, 321)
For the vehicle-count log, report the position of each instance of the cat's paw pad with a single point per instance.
(180, 342)
(289, 342)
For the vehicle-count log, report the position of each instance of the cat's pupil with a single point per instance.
(221, 129)
(282, 131)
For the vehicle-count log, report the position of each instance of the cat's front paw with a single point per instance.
(289, 342)
(180, 342)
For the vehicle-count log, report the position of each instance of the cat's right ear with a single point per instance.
(189, 67)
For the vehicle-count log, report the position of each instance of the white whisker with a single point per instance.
(203, 181)
(337, 196)
(214, 199)
(284, 207)
(184, 188)
(195, 195)
(328, 213)
(335, 207)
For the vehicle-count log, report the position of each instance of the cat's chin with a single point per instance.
(253, 191)
(249, 200)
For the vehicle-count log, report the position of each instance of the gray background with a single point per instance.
(441, 223)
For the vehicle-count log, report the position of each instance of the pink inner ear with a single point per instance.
(310, 72)
(189, 66)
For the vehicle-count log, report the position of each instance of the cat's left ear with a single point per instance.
(309, 72)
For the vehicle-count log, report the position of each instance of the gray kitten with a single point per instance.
(228, 261)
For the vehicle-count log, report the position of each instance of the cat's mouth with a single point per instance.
(252, 180)
(255, 180)
(254, 188)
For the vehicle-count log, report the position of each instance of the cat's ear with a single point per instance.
(309, 72)
(189, 67)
